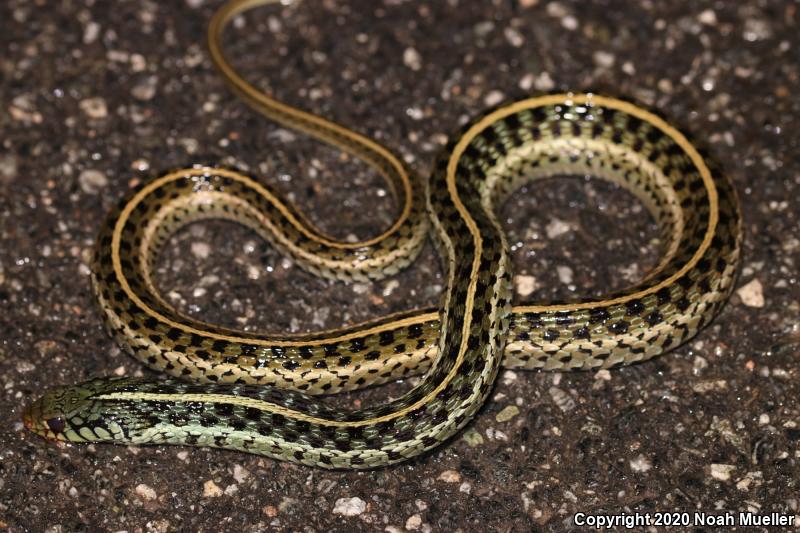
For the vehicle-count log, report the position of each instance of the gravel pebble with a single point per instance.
(565, 274)
(526, 82)
(91, 181)
(557, 9)
(145, 492)
(629, 68)
(414, 522)
(350, 506)
(412, 59)
(752, 294)
(146, 89)
(493, 98)
(8, 168)
(450, 476)
(484, 28)
(514, 37)
(94, 107)
(23, 109)
(270, 510)
(603, 375)
(708, 17)
(640, 463)
(211, 489)
(525, 285)
(604, 59)
(556, 228)
(201, 250)
(240, 473)
(507, 413)
(722, 472)
(569, 23)
(703, 387)
(472, 438)
(90, 32)
(544, 82)
(562, 399)
(756, 30)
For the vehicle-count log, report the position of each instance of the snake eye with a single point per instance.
(56, 425)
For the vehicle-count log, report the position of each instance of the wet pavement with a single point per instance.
(97, 96)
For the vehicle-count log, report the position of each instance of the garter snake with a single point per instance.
(254, 392)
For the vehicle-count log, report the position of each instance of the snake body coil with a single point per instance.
(256, 394)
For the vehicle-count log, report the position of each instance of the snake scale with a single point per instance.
(254, 392)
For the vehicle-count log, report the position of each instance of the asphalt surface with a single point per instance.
(97, 96)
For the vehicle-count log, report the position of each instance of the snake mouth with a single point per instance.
(27, 419)
(48, 427)
(32, 420)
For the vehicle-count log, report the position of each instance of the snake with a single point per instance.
(259, 392)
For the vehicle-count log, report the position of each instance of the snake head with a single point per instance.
(53, 415)
(72, 413)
